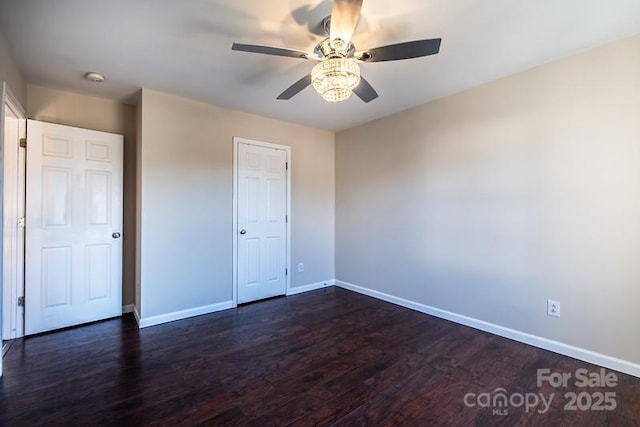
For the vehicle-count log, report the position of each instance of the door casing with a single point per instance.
(12, 318)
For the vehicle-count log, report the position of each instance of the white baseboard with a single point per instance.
(310, 287)
(183, 314)
(557, 347)
(127, 308)
(136, 314)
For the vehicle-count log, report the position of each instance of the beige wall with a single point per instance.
(66, 108)
(186, 200)
(10, 73)
(491, 201)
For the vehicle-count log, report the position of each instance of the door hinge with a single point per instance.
(22, 222)
(286, 271)
(23, 142)
(20, 301)
(286, 165)
(286, 218)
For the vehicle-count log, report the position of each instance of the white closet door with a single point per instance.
(262, 228)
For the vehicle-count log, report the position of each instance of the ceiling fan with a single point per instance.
(337, 73)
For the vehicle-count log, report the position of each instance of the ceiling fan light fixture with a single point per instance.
(337, 73)
(335, 78)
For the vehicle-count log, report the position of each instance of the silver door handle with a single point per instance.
(116, 235)
(243, 231)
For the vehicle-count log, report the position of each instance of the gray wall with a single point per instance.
(10, 73)
(491, 201)
(186, 200)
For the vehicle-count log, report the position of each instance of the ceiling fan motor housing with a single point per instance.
(326, 24)
(324, 49)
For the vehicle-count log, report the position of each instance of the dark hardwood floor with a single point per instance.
(320, 358)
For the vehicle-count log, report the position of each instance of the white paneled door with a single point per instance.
(73, 258)
(261, 222)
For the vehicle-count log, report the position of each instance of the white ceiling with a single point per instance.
(184, 47)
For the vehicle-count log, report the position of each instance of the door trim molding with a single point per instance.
(16, 261)
(234, 229)
(8, 97)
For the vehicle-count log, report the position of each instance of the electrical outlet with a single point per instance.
(300, 268)
(553, 308)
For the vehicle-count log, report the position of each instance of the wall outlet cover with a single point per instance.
(553, 308)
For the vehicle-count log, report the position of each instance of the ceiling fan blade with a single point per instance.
(296, 88)
(365, 91)
(344, 18)
(395, 52)
(267, 50)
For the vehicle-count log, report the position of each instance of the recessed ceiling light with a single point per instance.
(94, 77)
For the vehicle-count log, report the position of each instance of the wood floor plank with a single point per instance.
(329, 357)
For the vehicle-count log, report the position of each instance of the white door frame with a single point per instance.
(287, 149)
(13, 260)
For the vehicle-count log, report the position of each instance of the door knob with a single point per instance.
(116, 235)
(243, 231)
